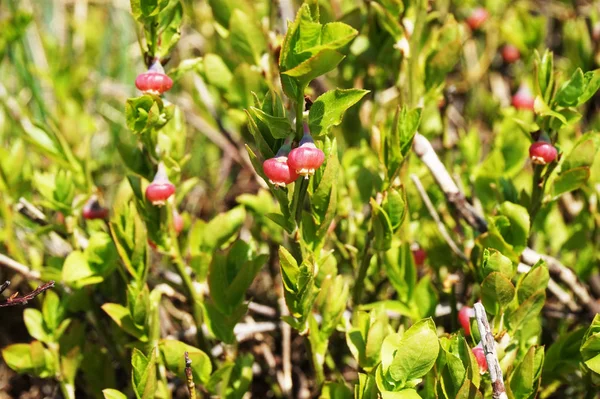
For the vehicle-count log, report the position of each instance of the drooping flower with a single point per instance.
(154, 81)
(306, 158)
(161, 188)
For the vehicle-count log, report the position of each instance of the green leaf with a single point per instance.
(309, 50)
(279, 126)
(328, 109)
(121, 316)
(129, 236)
(544, 72)
(497, 290)
(173, 351)
(216, 71)
(590, 346)
(444, 55)
(398, 143)
(247, 40)
(333, 390)
(389, 20)
(222, 325)
(294, 80)
(516, 232)
(468, 391)
(52, 311)
(366, 336)
(34, 322)
(570, 180)
(543, 109)
(144, 374)
(416, 352)
(408, 393)
(569, 93)
(525, 380)
(382, 227)
(591, 84)
(529, 309)
(395, 207)
(169, 26)
(30, 358)
(77, 271)
(494, 261)
(208, 237)
(113, 394)
(401, 270)
(246, 80)
(536, 279)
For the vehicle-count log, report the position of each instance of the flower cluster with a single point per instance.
(290, 163)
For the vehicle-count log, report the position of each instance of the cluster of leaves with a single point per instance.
(330, 257)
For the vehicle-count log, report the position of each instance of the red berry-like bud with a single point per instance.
(419, 255)
(306, 158)
(177, 221)
(477, 18)
(480, 356)
(510, 54)
(523, 99)
(542, 153)
(93, 210)
(151, 244)
(464, 318)
(277, 169)
(159, 191)
(279, 172)
(154, 81)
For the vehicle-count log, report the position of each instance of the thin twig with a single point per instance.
(436, 218)
(426, 153)
(19, 267)
(489, 348)
(29, 210)
(4, 286)
(263, 310)
(23, 300)
(189, 376)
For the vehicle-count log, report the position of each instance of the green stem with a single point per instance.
(153, 39)
(362, 271)
(537, 191)
(299, 116)
(301, 197)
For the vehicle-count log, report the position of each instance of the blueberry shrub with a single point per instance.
(392, 199)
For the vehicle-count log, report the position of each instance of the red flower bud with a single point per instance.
(419, 255)
(154, 81)
(306, 158)
(464, 318)
(477, 18)
(177, 221)
(279, 172)
(542, 152)
(510, 54)
(93, 210)
(480, 356)
(523, 98)
(159, 191)
(277, 169)
(151, 244)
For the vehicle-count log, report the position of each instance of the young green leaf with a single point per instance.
(328, 109)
